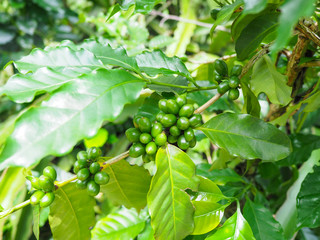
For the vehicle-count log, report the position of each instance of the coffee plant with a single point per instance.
(160, 119)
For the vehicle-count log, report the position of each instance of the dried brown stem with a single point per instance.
(309, 32)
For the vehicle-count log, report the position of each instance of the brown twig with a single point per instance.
(309, 32)
(310, 64)
(208, 103)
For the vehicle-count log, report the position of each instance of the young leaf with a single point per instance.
(225, 13)
(71, 213)
(74, 112)
(57, 58)
(169, 205)
(209, 212)
(308, 200)
(253, 34)
(261, 221)
(235, 228)
(128, 185)
(248, 137)
(36, 220)
(124, 224)
(265, 78)
(156, 62)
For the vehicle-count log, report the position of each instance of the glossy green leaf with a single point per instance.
(108, 55)
(36, 220)
(308, 200)
(251, 104)
(128, 185)
(254, 6)
(235, 228)
(124, 224)
(71, 213)
(184, 30)
(225, 13)
(57, 58)
(23, 88)
(150, 108)
(209, 212)
(291, 12)
(253, 34)
(262, 222)
(248, 137)
(287, 213)
(169, 205)
(157, 62)
(302, 147)
(147, 233)
(75, 112)
(218, 176)
(265, 78)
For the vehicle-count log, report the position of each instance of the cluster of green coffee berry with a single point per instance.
(88, 171)
(174, 124)
(226, 83)
(44, 186)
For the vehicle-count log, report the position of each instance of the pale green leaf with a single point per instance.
(57, 58)
(265, 78)
(71, 214)
(262, 222)
(75, 112)
(209, 212)
(128, 185)
(254, 6)
(248, 137)
(160, 41)
(23, 88)
(251, 104)
(184, 31)
(169, 205)
(235, 228)
(36, 220)
(124, 224)
(141, 6)
(97, 140)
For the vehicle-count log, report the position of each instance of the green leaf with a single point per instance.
(57, 58)
(184, 31)
(141, 6)
(74, 112)
(6, 36)
(160, 41)
(124, 224)
(169, 205)
(291, 12)
(287, 213)
(303, 145)
(225, 13)
(251, 104)
(261, 221)
(156, 62)
(313, 102)
(209, 212)
(128, 185)
(36, 220)
(235, 228)
(308, 200)
(253, 34)
(147, 233)
(23, 88)
(254, 6)
(108, 55)
(242, 135)
(218, 176)
(97, 140)
(149, 107)
(71, 213)
(265, 78)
